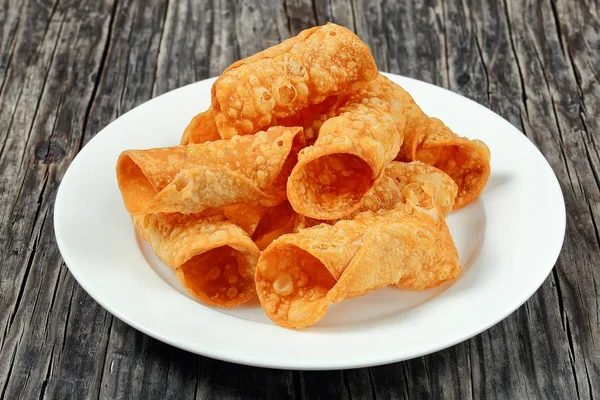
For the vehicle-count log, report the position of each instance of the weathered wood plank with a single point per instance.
(69, 68)
(128, 78)
(49, 80)
(258, 25)
(301, 14)
(185, 46)
(565, 91)
(221, 380)
(525, 334)
(340, 11)
(127, 75)
(10, 21)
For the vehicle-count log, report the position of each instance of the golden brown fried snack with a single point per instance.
(202, 128)
(213, 258)
(399, 174)
(194, 178)
(429, 140)
(351, 152)
(299, 275)
(274, 222)
(417, 197)
(398, 180)
(246, 216)
(312, 117)
(280, 81)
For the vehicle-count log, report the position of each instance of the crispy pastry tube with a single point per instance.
(350, 153)
(214, 259)
(202, 128)
(299, 275)
(313, 117)
(282, 80)
(398, 175)
(390, 190)
(429, 140)
(191, 179)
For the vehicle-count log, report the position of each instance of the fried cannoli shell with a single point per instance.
(246, 216)
(274, 222)
(427, 139)
(202, 128)
(194, 178)
(419, 201)
(399, 181)
(399, 174)
(350, 153)
(214, 259)
(312, 117)
(280, 81)
(299, 275)
(263, 224)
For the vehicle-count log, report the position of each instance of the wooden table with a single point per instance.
(70, 67)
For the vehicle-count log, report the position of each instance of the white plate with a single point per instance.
(508, 240)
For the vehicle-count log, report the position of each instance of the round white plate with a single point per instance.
(508, 241)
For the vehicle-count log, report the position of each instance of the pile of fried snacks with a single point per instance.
(311, 178)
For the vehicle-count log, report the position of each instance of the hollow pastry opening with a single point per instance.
(292, 285)
(465, 164)
(220, 276)
(333, 186)
(136, 189)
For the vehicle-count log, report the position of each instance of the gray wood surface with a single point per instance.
(70, 67)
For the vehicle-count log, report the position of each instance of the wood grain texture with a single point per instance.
(68, 68)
